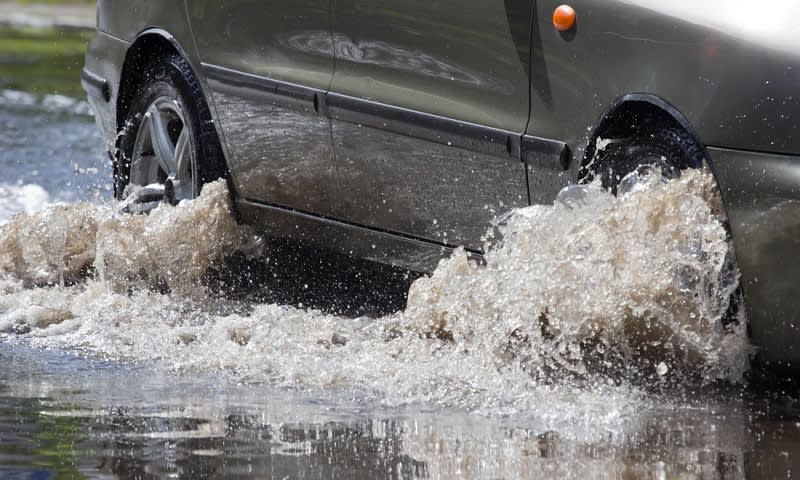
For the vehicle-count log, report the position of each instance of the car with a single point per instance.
(395, 130)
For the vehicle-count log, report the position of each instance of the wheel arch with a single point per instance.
(149, 45)
(636, 112)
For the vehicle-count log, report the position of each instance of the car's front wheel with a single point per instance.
(168, 147)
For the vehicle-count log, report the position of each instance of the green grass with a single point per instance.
(58, 2)
(42, 60)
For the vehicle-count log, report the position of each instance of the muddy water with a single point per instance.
(590, 344)
(564, 294)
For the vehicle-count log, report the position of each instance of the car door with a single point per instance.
(429, 100)
(268, 65)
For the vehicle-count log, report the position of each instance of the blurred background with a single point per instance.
(42, 45)
(50, 149)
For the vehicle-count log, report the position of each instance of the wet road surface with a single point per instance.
(67, 416)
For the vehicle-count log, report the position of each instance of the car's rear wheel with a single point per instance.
(669, 148)
(168, 147)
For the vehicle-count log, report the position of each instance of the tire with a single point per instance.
(168, 147)
(670, 148)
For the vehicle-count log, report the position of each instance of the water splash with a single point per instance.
(168, 250)
(589, 291)
(28, 198)
(599, 283)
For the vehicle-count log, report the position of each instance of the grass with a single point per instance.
(42, 60)
(58, 2)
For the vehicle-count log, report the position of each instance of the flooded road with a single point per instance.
(49, 151)
(591, 344)
(83, 417)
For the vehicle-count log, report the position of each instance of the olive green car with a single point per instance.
(396, 130)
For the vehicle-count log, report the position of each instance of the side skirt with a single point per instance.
(355, 240)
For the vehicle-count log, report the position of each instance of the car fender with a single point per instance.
(734, 82)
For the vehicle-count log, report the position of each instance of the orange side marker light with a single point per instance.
(564, 18)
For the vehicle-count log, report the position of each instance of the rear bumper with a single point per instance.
(100, 79)
(762, 196)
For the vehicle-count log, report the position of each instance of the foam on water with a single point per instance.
(28, 198)
(577, 297)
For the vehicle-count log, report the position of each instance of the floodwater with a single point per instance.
(589, 345)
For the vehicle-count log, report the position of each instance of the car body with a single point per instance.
(395, 130)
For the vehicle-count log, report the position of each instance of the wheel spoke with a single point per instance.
(139, 167)
(163, 158)
(162, 144)
(183, 154)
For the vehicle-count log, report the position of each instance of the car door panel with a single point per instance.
(426, 176)
(445, 87)
(268, 65)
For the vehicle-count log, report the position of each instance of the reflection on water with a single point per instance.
(74, 418)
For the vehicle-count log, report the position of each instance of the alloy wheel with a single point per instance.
(163, 164)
